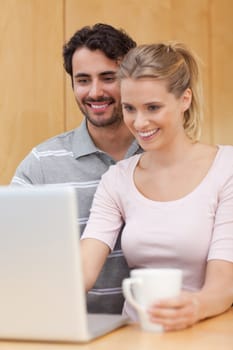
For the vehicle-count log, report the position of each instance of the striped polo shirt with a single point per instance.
(72, 158)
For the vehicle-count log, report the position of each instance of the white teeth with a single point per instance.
(147, 133)
(99, 106)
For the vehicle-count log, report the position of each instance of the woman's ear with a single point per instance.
(186, 99)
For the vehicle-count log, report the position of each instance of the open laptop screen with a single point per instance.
(41, 282)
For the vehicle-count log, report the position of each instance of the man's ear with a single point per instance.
(186, 99)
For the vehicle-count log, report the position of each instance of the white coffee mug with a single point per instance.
(145, 286)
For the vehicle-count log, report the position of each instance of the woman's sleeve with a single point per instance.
(105, 219)
(222, 239)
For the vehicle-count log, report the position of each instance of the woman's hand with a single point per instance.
(215, 297)
(176, 313)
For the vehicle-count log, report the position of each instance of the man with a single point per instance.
(79, 157)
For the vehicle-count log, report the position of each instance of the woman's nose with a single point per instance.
(140, 121)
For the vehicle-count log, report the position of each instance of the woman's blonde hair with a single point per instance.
(178, 66)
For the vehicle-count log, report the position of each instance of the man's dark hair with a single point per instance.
(112, 42)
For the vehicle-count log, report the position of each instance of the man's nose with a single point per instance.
(96, 90)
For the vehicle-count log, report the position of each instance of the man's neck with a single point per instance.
(113, 140)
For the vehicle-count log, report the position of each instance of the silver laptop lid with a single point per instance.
(42, 294)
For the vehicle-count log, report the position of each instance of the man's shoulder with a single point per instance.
(57, 142)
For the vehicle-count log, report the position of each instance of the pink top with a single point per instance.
(184, 233)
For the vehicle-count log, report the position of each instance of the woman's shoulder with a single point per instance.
(125, 165)
(223, 165)
(120, 171)
(129, 162)
(225, 155)
(226, 150)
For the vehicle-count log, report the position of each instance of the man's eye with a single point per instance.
(82, 81)
(109, 79)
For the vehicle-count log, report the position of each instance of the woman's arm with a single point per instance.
(215, 297)
(103, 227)
(94, 253)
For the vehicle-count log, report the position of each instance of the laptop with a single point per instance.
(42, 293)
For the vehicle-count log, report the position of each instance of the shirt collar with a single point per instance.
(83, 144)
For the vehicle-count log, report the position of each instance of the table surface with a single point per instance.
(215, 333)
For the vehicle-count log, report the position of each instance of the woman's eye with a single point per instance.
(153, 108)
(128, 108)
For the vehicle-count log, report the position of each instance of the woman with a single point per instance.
(176, 199)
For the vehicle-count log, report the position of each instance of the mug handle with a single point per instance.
(127, 292)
